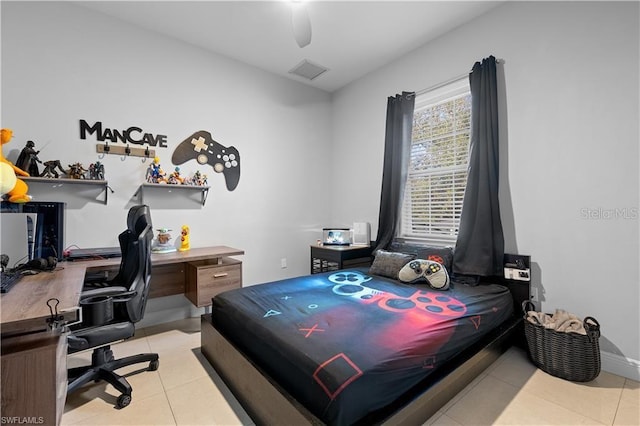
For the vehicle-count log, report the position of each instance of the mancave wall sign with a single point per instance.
(133, 134)
(200, 146)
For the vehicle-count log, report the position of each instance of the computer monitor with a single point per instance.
(46, 237)
(14, 239)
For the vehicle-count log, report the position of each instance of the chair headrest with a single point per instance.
(138, 219)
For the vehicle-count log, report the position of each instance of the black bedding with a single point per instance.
(347, 343)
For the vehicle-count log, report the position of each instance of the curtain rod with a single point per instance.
(451, 80)
(442, 84)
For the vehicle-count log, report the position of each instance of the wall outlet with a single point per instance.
(283, 263)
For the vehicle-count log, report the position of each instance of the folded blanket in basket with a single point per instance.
(561, 321)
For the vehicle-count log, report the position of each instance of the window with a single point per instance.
(437, 173)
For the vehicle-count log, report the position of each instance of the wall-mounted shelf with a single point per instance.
(59, 182)
(204, 190)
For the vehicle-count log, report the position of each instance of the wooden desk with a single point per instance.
(169, 273)
(24, 307)
(34, 367)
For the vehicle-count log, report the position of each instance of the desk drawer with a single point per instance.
(207, 278)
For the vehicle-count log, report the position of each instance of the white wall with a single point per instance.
(570, 78)
(62, 63)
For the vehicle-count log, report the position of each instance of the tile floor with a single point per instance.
(185, 390)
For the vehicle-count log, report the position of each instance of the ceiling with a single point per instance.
(350, 38)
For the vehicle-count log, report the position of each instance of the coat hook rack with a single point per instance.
(125, 151)
(147, 153)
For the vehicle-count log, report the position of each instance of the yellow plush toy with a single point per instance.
(10, 185)
(185, 244)
(8, 178)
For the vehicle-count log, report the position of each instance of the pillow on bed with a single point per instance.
(442, 255)
(425, 270)
(388, 264)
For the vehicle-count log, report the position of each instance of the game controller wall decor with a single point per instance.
(201, 147)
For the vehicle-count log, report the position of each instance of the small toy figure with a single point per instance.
(76, 171)
(28, 159)
(199, 179)
(50, 169)
(96, 171)
(162, 242)
(184, 239)
(155, 174)
(175, 178)
(152, 170)
(15, 188)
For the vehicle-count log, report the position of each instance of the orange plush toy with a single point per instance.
(15, 188)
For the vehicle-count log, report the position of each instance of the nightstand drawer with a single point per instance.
(207, 278)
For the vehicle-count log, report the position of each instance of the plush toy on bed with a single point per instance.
(425, 270)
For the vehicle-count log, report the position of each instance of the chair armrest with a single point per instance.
(124, 297)
(101, 306)
(118, 294)
(106, 291)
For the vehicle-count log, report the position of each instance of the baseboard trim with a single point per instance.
(620, 365)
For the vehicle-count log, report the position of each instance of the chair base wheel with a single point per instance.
(123, 400)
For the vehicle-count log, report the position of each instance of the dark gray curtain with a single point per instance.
(397, 144)
(480, 244)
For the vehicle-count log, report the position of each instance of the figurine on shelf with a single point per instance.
(153, 170)
(199, 179)
(184, 239)
(15, 189)
(76, 171)
(162, 243)
(155, 174)
(96, 171)
(175, 178)
(28, 159)
(50, 169)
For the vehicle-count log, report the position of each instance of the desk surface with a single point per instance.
(191, 255)
(24, 308)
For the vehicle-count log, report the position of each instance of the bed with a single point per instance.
(354, 347)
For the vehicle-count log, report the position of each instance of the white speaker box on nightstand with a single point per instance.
(361, 233)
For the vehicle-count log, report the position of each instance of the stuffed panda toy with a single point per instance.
(425, 270)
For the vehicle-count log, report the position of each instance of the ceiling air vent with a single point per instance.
(308, 70)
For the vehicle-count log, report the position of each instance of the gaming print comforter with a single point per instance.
(346, 343)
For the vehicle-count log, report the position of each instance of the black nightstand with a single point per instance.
(332, 258)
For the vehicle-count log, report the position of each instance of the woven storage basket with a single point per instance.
(571, 356)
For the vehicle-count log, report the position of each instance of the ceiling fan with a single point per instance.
(301, 23)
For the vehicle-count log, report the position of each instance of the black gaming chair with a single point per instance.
(109, 313)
